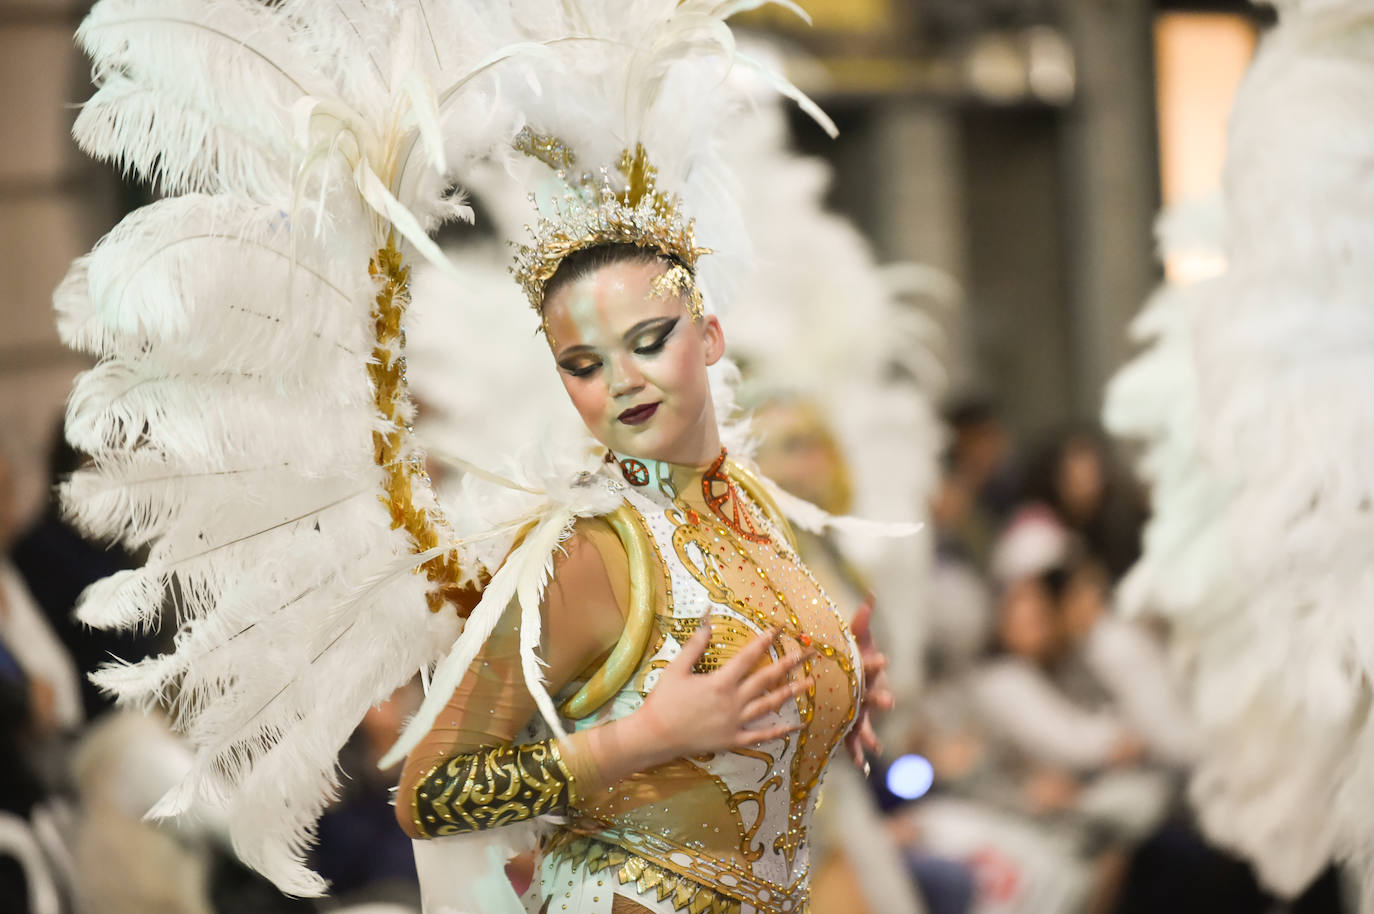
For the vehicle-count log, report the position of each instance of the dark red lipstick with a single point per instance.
(638, 415)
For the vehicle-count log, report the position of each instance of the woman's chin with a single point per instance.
(644, 444)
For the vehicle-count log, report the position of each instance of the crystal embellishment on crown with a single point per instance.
(592, 212)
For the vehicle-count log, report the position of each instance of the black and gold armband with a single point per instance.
(493, 787)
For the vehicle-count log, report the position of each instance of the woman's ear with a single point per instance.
(714, 338)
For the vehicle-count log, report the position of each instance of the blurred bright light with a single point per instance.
(910, 777)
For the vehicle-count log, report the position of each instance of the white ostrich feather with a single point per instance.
(1154, 399)
(230, 415)
(651, 72)
(1255, 403)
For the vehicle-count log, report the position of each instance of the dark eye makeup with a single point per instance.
(662, 331)
(581, 364)
(581, 369)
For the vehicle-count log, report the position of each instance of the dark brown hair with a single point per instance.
(588, 260)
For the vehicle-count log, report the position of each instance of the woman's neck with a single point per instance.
(697, 452)
(654, 473)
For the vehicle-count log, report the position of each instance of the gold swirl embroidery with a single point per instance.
(747, 848)
(702, 568)
(494, 787)
(690, 531)
(758, 755)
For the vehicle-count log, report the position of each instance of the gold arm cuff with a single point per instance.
(639, 625)
(494, 786)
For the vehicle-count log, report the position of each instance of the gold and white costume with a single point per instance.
(724, 832)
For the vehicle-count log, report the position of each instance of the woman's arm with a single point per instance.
(685, 715)
(581, 621)
(465, 776)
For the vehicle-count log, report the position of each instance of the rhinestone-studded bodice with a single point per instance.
(736, 821)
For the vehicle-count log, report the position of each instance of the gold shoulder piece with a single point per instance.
(753, 487)
(639, 625)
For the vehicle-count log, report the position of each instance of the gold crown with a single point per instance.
(592, 212)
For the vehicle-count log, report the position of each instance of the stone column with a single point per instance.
(919, 207)
(1113, 186)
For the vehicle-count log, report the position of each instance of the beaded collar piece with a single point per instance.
(718, 490)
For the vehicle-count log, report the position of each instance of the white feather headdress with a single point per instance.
(655, 79)
(248, 417)
(1262, 546)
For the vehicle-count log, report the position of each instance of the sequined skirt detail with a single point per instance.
(646, 877)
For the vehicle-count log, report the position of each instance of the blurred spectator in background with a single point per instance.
(124, 862)
(361, 851)
(981, 482)
(20, 785)
(40, 706)
(1114, 662)
(53, 681)
(1075, 477)
(57, 563)
(978, 490)
(1046, 796)
(1018, 699)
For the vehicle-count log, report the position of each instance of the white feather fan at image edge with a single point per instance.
(230, 415)
(1262, 548)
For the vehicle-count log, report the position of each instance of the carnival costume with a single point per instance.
(249, 421)
(1254, 403)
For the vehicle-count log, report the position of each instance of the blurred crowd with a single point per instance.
(1057, 739)
(1057, 749)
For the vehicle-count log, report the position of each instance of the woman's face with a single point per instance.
(1084, 601)
(1081, 480)
(1026, 626)
(634, 363)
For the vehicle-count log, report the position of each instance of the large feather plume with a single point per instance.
(231, 414)
(1256, 402)
(650, 72)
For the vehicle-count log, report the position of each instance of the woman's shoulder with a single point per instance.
(592, 541)
(591, 564)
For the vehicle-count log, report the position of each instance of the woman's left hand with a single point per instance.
(877, 696)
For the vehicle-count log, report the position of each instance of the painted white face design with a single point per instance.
(634, 363)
